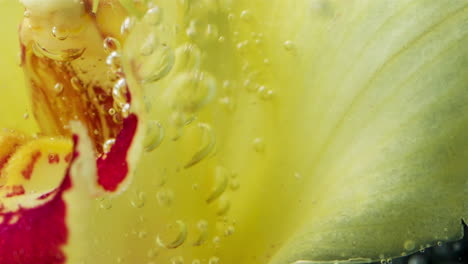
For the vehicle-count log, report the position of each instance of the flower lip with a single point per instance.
(82, 103)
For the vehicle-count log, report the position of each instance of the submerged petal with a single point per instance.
(329, 129)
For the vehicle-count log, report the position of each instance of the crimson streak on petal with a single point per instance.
(112, 167)
(35, 235)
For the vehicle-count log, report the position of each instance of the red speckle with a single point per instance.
(112, 167)
(54, 158)
(4, 160)
(68, 157)
(46, 195)
(15, 191)
(30, 167)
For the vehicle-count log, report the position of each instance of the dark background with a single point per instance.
(447, 253)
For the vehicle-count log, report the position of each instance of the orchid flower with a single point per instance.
(231, 131)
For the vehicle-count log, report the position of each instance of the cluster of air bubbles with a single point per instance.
(386, 261)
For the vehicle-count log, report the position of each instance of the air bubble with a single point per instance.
(149, 45)
(191, 91)
(234, 185)
(242, 46)
(258, 145)
(288, 45)
(138, 200)
(177, 260)
(112, 111)
(58, 55)
(228, 103)
(152, 253)
(127, 25)
(223, 206)
(211, 32)
(229, 230)
(58, 88)
(105, 203)
(207, 147)
(220, 184)
(154, 135)
(188, 57)
(111, 44)
(114, 61)
(125, 110)
(119, 93)
(297, 175)
(245, 15)
(154, 16)
(213, 260)
(249, 85)
(157, 64)
(202, 227)
(76, 84)
(107, 146)
(180, 238)
(192, 30)
(409, 245)
(265, 93)
(59, 34)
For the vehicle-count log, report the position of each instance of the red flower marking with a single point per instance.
(54, 158)
(112, 168)
(46, 195)
(4, 161)
(68, 157)
(15, 191)
(30, 167)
